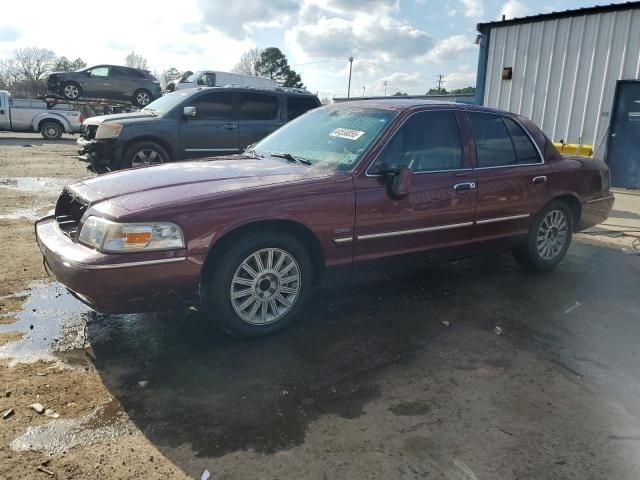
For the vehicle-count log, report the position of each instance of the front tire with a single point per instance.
(51, 130)
(142, 154)
(259, 285)
(548, 239)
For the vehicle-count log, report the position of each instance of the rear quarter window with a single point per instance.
(258, 106)
(296, 106)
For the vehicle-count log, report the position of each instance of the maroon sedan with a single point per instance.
(345, 188)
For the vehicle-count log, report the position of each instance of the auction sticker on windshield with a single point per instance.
(346, 133)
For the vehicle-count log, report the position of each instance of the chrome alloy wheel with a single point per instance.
(142, 99)
(146, 156)
(71, 91)
(265, 286)
(552, 234)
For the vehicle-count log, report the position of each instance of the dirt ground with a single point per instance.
(469, 371)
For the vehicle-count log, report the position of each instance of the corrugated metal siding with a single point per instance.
(564, 71)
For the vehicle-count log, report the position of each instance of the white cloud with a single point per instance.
(513, 9)
(364, 35)
(9, 33)
(473, 8)
(450, 48)
(464, 77)
(237, 18)
(412, 83)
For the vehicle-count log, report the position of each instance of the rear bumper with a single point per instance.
(595, 210)
(119, 283)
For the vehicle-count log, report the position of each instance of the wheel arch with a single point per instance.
(291, 227)
(574, 204)
(150, 138)
(40, 119)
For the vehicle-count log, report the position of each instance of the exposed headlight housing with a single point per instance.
(109, 130)
(108, 236)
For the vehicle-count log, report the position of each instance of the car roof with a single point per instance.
(252, 89)
(401, 104)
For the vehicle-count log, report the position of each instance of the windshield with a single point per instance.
(192, 78)
(334, 136)
(167, 102)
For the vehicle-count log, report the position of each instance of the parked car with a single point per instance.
(107, 81)
(213, 78)
(351, 187)
(190, 123)
(26, 115)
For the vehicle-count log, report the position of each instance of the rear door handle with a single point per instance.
(464, 186)
(540, 179)
(229, 126)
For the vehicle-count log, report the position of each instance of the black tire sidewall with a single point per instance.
(135, 97)
(64, 85)
(533, 256)
(43, 130)
(216, 285)
(127, 156)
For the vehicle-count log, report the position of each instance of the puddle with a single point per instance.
(52, 321)
(35, 184)
(26, 213)
(61, 435)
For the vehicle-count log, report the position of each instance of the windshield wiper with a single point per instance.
(151, 111)
(251, 152)
(291, 158)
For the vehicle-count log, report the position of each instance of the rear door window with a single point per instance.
(258, 106)
(493, 142)
(298, 105)
(526, 152)
(218, 106)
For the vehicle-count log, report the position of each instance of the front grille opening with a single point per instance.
(89, 132)
(69, 211)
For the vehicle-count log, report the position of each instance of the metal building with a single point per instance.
(561, 69)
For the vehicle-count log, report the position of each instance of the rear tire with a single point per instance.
(549, 238)
(142, 98)
(142, 154)
(71, 91)
(51, 130)
(250, 298)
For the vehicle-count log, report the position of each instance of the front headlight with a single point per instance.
(109, 130)
(108, 236)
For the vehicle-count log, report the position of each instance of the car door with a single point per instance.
(120, 81)
(259, 116)
(214, 129)
(5, 121)
(437, 215)
(511, 177)
(97, 82)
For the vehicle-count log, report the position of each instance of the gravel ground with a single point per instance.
(465, 371)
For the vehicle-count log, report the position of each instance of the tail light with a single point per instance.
(81, 118)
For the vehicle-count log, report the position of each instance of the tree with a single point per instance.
(465, 90)
(134, 60)
(437, 91)
(172, 74)
(273, 64)
(27, 69)
(248, 63)
(63, 64)
(400, 94)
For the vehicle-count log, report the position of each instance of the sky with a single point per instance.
(405, 44)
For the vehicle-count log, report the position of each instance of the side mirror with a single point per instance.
(399, 182)
(201, 81)
(87, 73)
(190, 112)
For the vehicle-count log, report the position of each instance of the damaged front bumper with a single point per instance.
(99, 154)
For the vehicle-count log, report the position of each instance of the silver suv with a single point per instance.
(107, 81)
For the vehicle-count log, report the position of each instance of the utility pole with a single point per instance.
(350, 67)
(385, 87)
(363, 90)
(440, 83)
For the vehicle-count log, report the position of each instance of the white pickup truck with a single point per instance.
(22, 115)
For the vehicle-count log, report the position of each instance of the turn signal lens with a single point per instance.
(109, 236)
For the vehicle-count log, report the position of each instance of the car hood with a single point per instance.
(117, 117)
(184, 183)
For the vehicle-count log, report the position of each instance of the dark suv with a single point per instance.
(198, 122)
(107, 81)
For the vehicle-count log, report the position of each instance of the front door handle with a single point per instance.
(464, 186)
(229, 126)
(540, 179)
